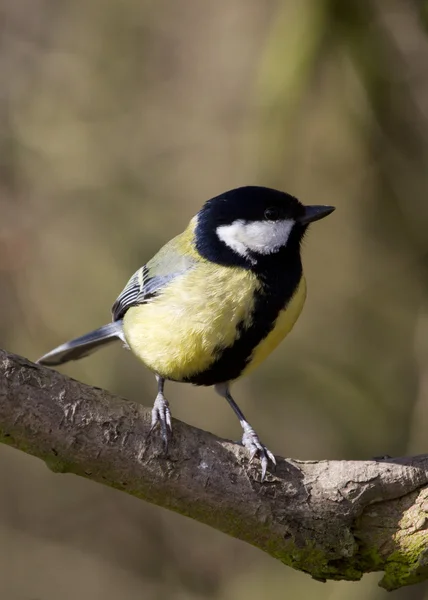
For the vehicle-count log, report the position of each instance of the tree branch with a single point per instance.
(331, 519)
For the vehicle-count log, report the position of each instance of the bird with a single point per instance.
(214, 302)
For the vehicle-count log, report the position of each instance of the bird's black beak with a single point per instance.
(315, 213)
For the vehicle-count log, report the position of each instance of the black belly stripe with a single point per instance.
(279, 286)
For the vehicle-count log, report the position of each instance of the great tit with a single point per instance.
(215, 301)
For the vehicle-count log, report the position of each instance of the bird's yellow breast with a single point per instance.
(180, 332)
(184, 330)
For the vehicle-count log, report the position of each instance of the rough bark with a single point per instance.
(331, 519)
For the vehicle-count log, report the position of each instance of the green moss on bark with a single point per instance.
(409, 563)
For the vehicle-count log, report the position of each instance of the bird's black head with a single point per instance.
(253, 227)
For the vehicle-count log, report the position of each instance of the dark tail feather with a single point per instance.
(84, 345)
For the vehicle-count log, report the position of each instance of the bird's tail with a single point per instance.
(84, 345)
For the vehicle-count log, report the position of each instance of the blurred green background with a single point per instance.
(118, 118)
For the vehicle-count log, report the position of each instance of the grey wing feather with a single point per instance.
(149, 281)
(139, 289)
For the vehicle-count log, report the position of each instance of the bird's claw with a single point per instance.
(250, 440)
(161, 415)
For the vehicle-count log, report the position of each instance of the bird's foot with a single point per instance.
(250, 440)
(161, 415)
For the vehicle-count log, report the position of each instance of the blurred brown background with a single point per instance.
(118, 118)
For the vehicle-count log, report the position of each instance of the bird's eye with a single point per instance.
(271, 214)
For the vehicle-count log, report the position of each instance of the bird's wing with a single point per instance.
(146, 283)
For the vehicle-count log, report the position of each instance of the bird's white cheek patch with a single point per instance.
(260, 237)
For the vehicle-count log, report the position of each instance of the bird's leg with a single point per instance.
(250, 439)
(161, 415)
